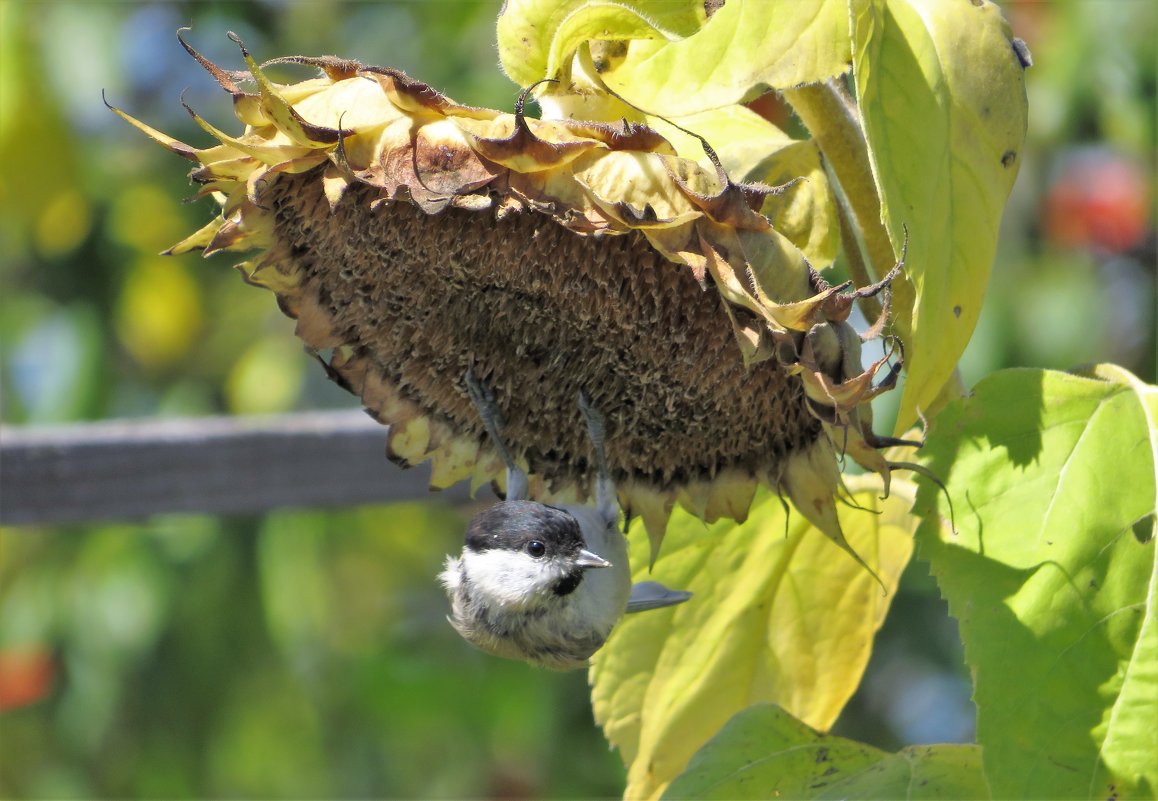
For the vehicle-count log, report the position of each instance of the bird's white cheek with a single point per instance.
(509, 578)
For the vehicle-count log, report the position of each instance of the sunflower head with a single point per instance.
(413, 238)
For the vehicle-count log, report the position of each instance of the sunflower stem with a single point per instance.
(832, 118)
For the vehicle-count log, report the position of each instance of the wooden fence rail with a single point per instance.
(124, 470)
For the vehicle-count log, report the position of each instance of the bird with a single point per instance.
(541, 583)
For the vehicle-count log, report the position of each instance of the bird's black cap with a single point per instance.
(513, 524)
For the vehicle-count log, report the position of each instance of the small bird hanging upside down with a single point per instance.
(541, 583)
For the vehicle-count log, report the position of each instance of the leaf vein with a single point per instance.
(1069, 460)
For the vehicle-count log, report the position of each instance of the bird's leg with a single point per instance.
(484, 403)
(647, 594)
(606, 502)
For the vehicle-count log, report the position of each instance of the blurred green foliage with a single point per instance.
(304, 654)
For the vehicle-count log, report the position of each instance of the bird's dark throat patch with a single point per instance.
(569, 583)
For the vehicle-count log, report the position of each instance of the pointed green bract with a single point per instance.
(764, 752)
(753, 150)
(1052, 576)
(942, 96)
(778, 615)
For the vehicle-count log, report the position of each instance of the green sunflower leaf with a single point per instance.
(1052, 575)
(764, 752)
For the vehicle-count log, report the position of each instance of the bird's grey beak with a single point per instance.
(588, 559)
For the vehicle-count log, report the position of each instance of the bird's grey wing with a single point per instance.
(653, 595)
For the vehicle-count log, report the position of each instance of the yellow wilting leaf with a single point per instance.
(779, 615)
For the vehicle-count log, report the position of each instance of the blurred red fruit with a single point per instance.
(26, 676)
(1098, 199)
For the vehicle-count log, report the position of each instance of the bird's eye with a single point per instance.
(536, 548)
